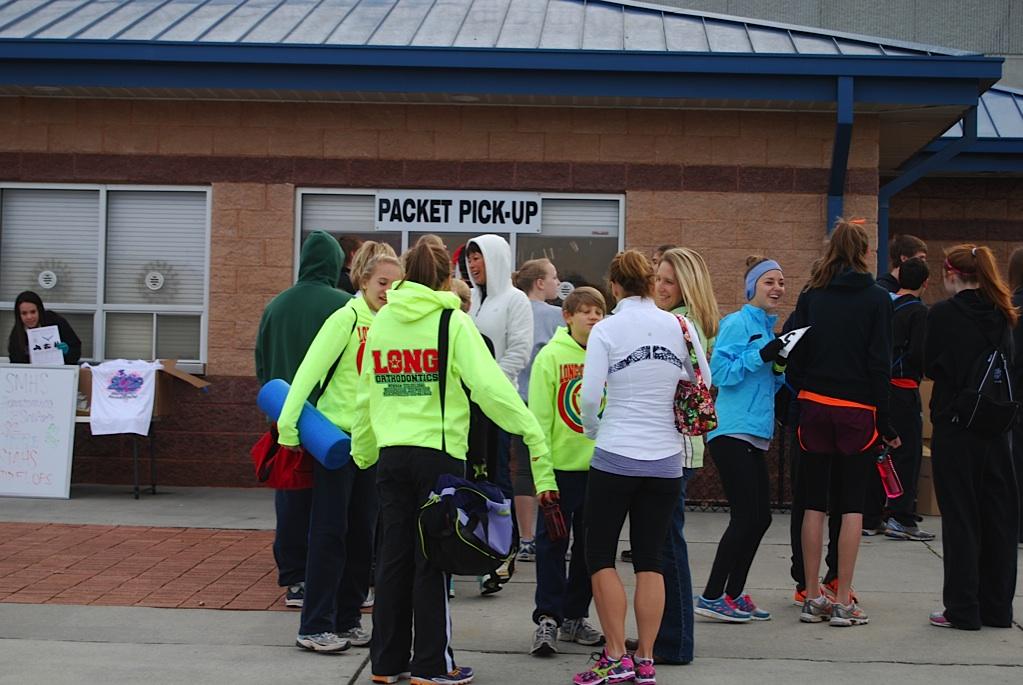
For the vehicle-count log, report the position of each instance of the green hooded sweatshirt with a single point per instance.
(554, 386)
(294, 317)
(398, 401)
(342, 336)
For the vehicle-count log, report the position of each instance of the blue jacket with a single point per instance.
(746, 385)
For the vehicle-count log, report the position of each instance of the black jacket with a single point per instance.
(847, 353)
(957, 335)
(889, 282)
(19, 352)
(909, 325)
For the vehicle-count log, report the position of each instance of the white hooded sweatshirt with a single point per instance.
(504, 315)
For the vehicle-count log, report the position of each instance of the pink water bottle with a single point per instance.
(889, 476)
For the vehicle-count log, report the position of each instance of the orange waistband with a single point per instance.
(833, 401)
(905, 383)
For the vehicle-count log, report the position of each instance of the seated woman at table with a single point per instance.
(30, 313)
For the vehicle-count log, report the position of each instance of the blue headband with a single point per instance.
(756, 273)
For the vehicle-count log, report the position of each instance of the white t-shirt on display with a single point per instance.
(123, 392)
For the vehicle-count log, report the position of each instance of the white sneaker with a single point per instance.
(323, 642)
(358, 636)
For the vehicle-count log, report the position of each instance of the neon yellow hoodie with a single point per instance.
(343, 333)
(554, 386)
(398, 403)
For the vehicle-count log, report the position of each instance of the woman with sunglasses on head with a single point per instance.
(683, 287)
(968, 335)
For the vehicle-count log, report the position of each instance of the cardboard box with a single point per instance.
(926, 501)
(165, 378)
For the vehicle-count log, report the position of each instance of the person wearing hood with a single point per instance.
(288, 326)
(29, 313)
(748, 372)
(414, 435)
(973, 472)
(501, 311)
(503, 315)
(846, 371)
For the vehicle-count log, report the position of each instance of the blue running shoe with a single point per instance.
(745, 603)
(721, 609)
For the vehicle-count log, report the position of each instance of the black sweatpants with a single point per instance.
(1017, 458)
(975, 484)
(908, 423)
(743, 472)
(408, 587)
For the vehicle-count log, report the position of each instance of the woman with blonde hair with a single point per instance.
(968, 354)
(343, 513)
(366, 252)
(844, 408)
(682, 286)
(639, 355)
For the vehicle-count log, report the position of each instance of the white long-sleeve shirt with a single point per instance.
(641, 356)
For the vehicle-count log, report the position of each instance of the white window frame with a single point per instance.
(101, 308)
(300, 193)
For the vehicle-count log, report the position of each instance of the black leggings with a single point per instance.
(648, 502)
(743, 474)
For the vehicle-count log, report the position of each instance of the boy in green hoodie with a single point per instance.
(561, 476)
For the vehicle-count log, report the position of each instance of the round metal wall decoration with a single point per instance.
(154, 280)
(47, 279)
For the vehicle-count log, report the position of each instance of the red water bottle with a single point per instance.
(889, 476)
(555, 520)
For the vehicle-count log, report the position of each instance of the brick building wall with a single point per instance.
(725, 183)
(949, 211)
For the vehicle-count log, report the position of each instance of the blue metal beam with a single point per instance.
(914, 172)
(908, 67)
(472, 79)
(840, 149)
(983, 146)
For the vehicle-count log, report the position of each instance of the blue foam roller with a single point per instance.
(318, 434)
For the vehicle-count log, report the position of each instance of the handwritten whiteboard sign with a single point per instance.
(42, 345)
(37, 429)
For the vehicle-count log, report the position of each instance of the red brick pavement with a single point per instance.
(200, 568)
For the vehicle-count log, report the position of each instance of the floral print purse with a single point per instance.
(694, 405)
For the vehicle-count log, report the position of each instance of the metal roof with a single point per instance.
(999, 115)
(541, 24)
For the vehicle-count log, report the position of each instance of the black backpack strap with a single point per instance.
(330, 374)
(442, 370)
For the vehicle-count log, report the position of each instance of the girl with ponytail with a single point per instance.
(637, 465)
(968, 336)
(844, 409)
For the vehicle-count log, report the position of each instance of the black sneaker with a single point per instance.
(626, 555)
(295, 597)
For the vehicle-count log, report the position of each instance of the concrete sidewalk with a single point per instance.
(899, 583)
